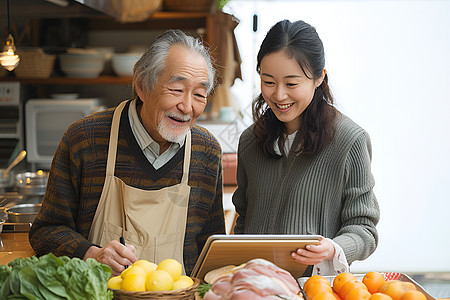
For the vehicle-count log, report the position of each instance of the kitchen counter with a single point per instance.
(14, 245)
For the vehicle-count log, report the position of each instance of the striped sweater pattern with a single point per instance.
(78, 172)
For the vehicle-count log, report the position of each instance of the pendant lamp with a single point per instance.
(8, 59)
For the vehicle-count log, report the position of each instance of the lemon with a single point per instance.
(149, 267)
(115, 282)
(134, 283)
(171, 266)
(133, 270)
(159, 280)
(183, 282)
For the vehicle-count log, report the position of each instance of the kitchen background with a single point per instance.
(388, 71)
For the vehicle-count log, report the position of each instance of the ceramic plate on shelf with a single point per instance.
(65, 96)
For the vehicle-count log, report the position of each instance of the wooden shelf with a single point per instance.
(158, 20)
(71, 80)
(178, 15)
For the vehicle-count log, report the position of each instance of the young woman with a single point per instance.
(304, 167)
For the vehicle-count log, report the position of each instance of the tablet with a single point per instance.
(236, 249)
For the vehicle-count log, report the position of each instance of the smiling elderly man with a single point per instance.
(141, 171)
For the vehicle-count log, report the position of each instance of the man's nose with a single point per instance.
(185, 105)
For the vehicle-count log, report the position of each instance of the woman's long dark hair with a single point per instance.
(300, 41)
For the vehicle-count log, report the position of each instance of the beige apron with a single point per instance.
(154, 221)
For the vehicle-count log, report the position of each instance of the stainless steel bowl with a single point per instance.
(23, 213)
(32, 183)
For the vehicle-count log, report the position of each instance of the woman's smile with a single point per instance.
(284, 107)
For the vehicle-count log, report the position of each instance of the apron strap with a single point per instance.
(187, 158)
(113, 138)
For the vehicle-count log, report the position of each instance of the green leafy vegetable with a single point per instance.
(203, 288)
(55, 278)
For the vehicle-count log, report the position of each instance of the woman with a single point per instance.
(304, 167)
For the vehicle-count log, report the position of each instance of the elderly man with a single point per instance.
(142, 172)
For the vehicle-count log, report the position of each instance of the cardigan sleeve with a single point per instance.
(55, 228)
(215, 221)
(358, 236)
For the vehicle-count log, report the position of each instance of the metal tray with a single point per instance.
(388, 275)
(16, 227)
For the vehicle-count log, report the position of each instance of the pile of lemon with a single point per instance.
(144, 276)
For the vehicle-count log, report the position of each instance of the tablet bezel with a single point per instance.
(234, 249)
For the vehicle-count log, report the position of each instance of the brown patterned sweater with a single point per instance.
(78, 172)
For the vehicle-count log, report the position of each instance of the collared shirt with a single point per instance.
(149, 146)
(287, 143)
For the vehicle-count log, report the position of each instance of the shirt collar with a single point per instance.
(142, 136)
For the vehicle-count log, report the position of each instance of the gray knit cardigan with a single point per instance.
(330, 193)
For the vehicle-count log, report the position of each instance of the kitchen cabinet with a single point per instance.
(49, 33)
(40, 24)
(196, 23)
(70, 80)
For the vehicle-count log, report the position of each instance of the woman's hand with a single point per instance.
(115, 255)
(314, 254)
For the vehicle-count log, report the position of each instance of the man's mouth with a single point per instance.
(284, 106)
(179, 118)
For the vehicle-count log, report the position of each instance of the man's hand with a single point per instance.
(314, 254)
(115, 255)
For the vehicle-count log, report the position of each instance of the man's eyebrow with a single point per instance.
(176, 78)
(181, 78)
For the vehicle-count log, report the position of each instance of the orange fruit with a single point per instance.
(340, 280)
(350, 285)
(358, 294)
(373, 280)
(336, 296)
(396, 288)
(324, 296)
(384, 286)
(316, 287)
(315, 278)
(413, 295)
(409, 286)
(380, 296)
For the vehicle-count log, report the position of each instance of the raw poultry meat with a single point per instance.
(258, 279)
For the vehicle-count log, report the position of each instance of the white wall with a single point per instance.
(389, 69)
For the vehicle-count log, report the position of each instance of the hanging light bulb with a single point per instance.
(8, 59)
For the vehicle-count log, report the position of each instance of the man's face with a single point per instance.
(178, 98)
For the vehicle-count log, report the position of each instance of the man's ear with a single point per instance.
(139, 92)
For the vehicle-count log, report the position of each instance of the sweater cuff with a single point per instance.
(82, 248)
(349, 243)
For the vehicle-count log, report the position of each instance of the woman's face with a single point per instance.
(286, 89)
